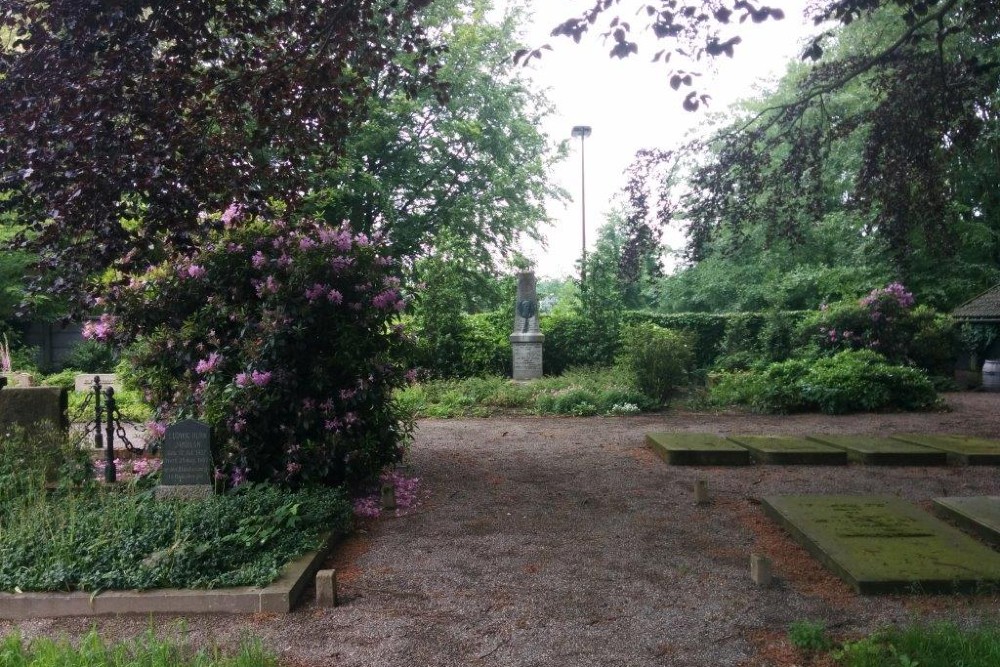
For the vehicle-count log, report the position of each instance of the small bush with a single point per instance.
(658, 359)
(937, 645)
(850, 381)
(809, 636)
(90, 356)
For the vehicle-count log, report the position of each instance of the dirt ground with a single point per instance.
(565, 541)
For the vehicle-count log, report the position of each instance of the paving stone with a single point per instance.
(959, 448)
(697, 449)
(884, 451)
(790, 450)
(977, 514)
(882, 544)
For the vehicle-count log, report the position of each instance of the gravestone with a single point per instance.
(20, 380)
(187, 461)
(28, 406)
(526, 341)
(85, 381)
(697, 449)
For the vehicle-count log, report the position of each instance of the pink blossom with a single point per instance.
(232, 213)
(239, 476)
(196, 271)
(102, 330)
(208, 365)
(242, 379)
(293, 467)
(258, 260)
(156, 429)
(332, 425)
(333, 296)
(341, 263)
(306, 243)
(385, 300)
(260, 378)
(315, 292)
(362, 239)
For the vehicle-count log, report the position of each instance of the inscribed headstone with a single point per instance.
(27, 406)
(187, 461)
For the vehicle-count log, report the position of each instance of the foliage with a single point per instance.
(281, 340)
(849, 381)
(886, 321)
(578, 392)
(659, 359)
(242, 538)
(146, 650)
(809, 636)
(935, 645)
(288, 83)
(90, 356)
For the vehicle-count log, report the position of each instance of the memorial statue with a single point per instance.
(526, 340)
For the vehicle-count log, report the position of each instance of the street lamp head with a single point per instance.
(581, 131)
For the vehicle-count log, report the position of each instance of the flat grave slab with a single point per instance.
(959, 448)
(881, 544)
(697, 449)
(884, 451)
(790, 450)
(979, 515)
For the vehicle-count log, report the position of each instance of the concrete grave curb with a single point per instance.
(279, 597)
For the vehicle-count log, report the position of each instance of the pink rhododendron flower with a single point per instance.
(208, 365)
(231, 213)
(102, 330)
(242, 379)
(333, 296)
(258, 260)
(260, 378)
(196, 271)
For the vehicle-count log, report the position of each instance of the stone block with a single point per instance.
(326, 588)
(882, 544)
(85, 381)
(979, 515)
(788, 450)
(28, 406)
(961, 449)
(699, 449)
(883, 451)
(760, 570)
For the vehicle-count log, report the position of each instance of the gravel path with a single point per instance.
(566, 542)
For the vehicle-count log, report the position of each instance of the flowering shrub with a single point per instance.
(282, 340)
(886, 322)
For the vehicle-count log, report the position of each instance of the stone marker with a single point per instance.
(20, 380)
(326, 588)
(697, 449)
(701, 492)
(961, 449)
(760, 570)
(786, 450)
(526, 341)
(27, 406)
(388, 497)
(85, 381)
(187, 461)
(882, 544)
(883, 451)
(977, 514)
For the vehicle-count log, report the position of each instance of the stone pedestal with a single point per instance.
(526, 340)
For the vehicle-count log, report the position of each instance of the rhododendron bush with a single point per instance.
(282, 339)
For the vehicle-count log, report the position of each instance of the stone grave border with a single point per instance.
(278, 597)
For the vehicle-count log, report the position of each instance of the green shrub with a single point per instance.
(64, 378)
(90, 356)
(573, 340)
(658, 359)
(809, 636)
(486, 344)
(850, 381)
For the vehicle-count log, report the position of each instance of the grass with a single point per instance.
(578, 392)
(934, 645)
(144, 651)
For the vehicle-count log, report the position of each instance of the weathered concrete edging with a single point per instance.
(278, 597)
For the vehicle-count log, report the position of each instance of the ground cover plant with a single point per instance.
(578, 392)
(936, 645)
(147, 650)
(61, 531)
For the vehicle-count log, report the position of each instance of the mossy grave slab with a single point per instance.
(979, 515)
(959, 448)
(697, 449)
(881, 544)
(884, 451)
(790, 450)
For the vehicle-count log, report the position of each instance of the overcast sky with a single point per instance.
(630, 106)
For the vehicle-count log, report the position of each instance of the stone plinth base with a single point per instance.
(527, 355)
(183, 491)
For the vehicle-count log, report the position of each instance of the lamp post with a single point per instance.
(583, 131)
